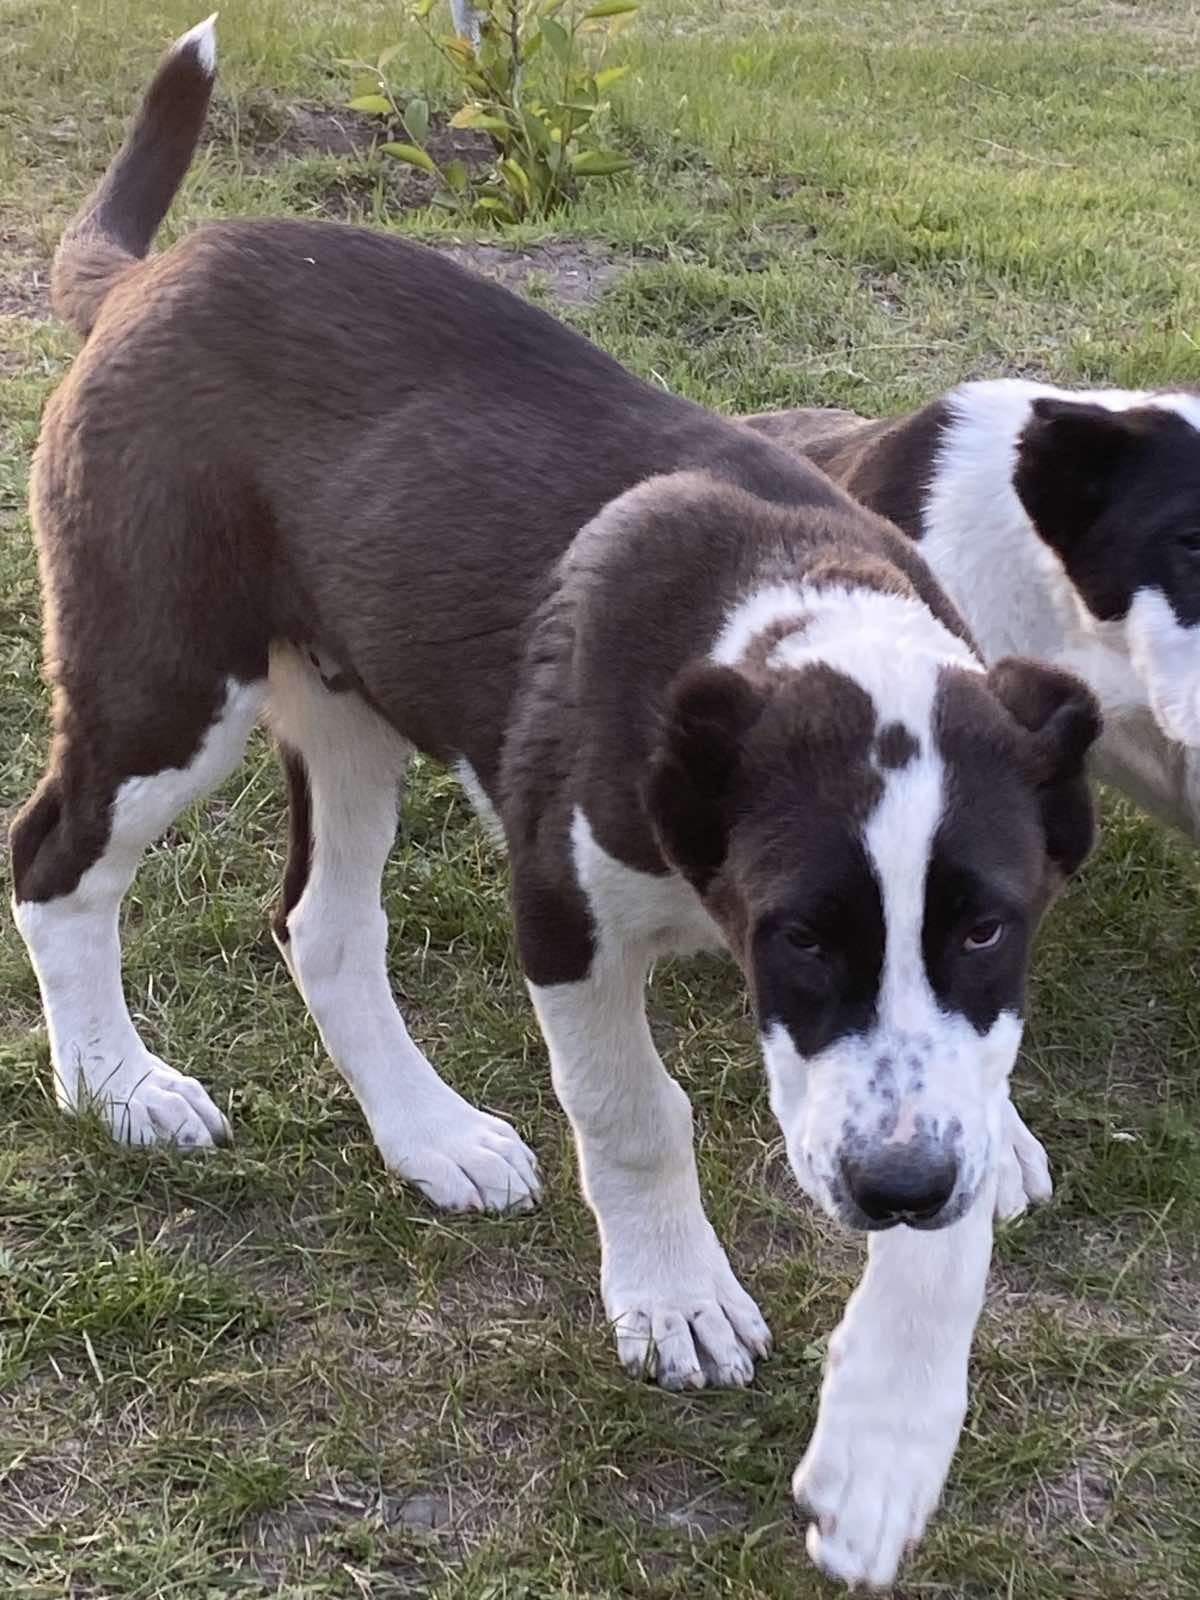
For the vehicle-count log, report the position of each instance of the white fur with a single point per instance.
(1017, 598)
(774, 602)
(678, 1311)
(204, 37)
(481, 803)
(74, 945)
(461, 1158)
(1166, 657)
(863, 633)
(1024, 1171)
(652, 914)
(894, 1397)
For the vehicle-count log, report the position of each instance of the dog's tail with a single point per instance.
(112, 233)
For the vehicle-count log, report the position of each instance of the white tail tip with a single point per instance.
(203, 38)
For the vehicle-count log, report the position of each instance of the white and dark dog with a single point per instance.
(319, 474)
(1063, 525)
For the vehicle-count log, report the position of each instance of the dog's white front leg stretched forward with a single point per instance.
(894, 1397)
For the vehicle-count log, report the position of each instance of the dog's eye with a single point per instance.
(985, 935)
(804, 942)
(1189, 542)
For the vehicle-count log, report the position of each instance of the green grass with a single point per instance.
(274, 1371)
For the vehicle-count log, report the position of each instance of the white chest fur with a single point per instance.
(661, 915)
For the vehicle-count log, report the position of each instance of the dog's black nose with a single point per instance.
(908, 1184)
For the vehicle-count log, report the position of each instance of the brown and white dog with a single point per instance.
(1063, 525)
(319, 474)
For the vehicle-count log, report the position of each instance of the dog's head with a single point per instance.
(878, 854)
(1116, 496)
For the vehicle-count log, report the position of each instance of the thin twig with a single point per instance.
(1025, 155)
(988, 88)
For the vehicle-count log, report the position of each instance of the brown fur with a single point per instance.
(884, 464)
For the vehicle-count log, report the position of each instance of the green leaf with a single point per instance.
(610, 8)
(416, 119)
(537, 131)
(423, 8)
(377, 104)
(531, 46)
(597, 164)
(476, 117)
(609, 75)
(456, 175)
(515, 175)
(388, 56)
(410, 153)
(557, 38)
(499, 210)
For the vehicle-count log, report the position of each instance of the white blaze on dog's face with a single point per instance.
(1112, 484)
(878, 825)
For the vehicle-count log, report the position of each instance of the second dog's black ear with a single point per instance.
(1069, 455)
(687, 790)
(1061, 720)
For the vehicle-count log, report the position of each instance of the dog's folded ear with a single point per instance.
(1061, 720)
(1068, 456)
(688, 788)
(1055, 707)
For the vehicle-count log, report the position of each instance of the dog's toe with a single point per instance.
(687, 1340)
(472, 1162)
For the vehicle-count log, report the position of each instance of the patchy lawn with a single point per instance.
(272, 1370)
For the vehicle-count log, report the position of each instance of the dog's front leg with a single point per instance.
(1024, 1169)
(894, 1397)
(678, 1312)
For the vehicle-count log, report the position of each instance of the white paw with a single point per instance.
(144, 1101)
(462, 1159)
(1024, 1169)
(683, 1318)
(870, 1481)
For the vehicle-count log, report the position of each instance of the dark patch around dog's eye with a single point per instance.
(974, 967)
(826, 988)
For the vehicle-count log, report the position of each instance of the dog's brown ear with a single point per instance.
(688, 788)
(1068, 456)
(1061, 718)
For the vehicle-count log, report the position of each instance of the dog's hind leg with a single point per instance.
(124, 764)
(345, 770)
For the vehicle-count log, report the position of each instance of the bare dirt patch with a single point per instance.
(24, 278)
(266, 131)
(1080, 1495)
(573, 273)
